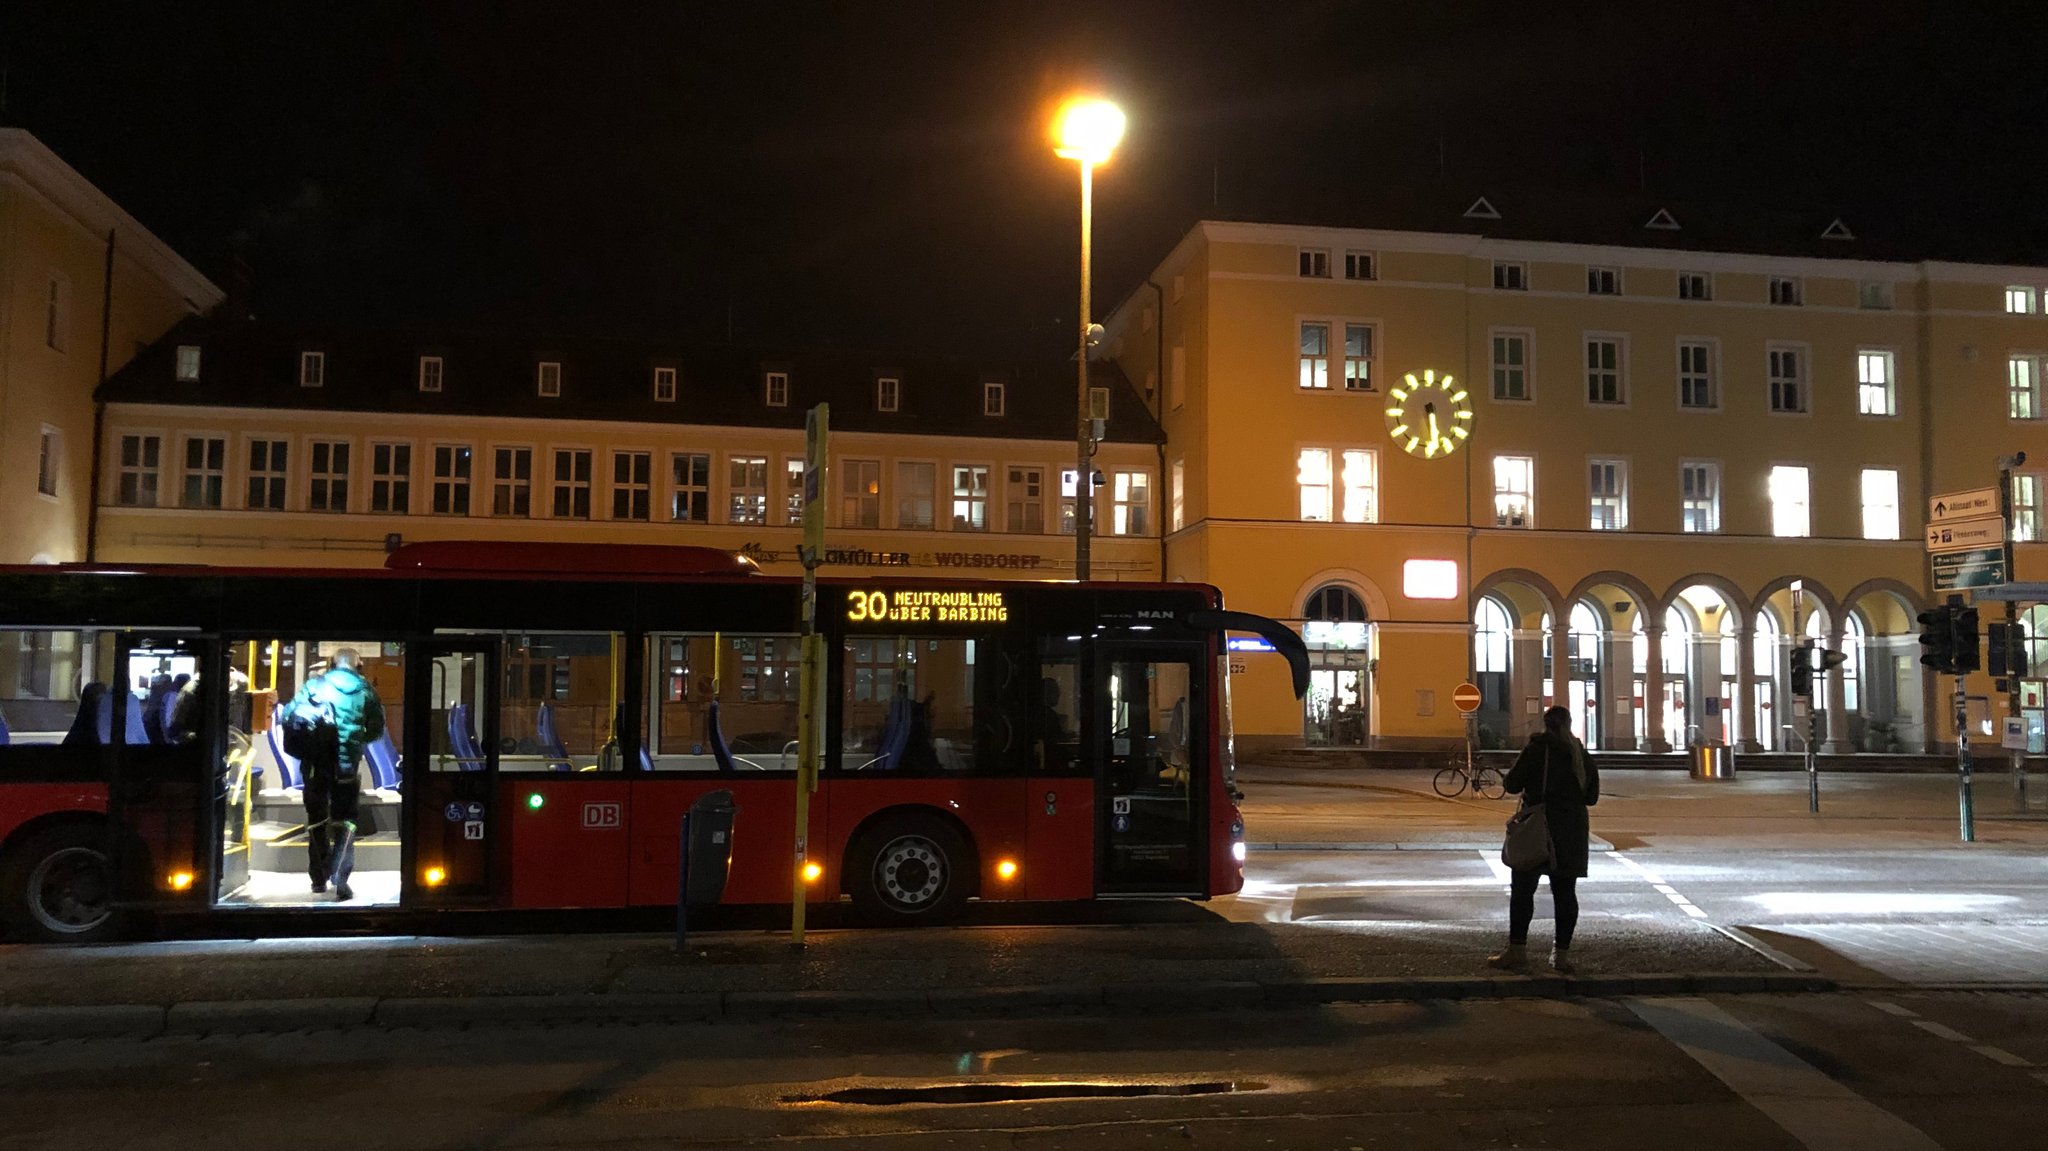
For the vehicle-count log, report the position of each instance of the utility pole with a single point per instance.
(811, 673)
(2015, 644)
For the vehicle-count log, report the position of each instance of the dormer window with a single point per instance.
(430, 373)
(312, 369)
(547, 378)
(991, 399)
(188, 363)
(775, 388)
(888, 394)
(664, 385)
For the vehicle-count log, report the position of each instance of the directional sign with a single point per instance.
(1963, 505)
(1466, 697)
(1954, 571)
(1966, 535)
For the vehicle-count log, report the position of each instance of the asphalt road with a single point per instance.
(1905, 1070)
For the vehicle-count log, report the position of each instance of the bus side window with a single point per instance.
(45, 679)
(718, 702)
(561, 700)
(1056, 726)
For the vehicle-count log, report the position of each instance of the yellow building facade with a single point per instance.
(61, 322)
(1679, 461)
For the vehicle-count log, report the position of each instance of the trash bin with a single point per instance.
(710, 848)
(1712, 761)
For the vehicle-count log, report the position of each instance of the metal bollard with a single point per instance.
(683, 883)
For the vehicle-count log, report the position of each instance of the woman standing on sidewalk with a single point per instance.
(1555, 771)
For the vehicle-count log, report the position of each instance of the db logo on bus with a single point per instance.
(604, 816)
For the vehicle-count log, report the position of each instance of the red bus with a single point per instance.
(552, 711)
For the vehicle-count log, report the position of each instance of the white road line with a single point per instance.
(2000, 1055)
(1890, 1008)
(1814, 1109)
(1501, 871)
(1942, 1031)
(1695, 912)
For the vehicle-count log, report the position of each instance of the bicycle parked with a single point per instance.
(1464, 775)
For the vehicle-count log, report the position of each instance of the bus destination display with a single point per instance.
(920, 606)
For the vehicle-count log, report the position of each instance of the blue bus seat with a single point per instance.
(895, 734)
(463, 740)
(716, 737)
(135, 731)
(291, 776)
(646, 759)
(382, 756)
(550, 743)
(5, 737)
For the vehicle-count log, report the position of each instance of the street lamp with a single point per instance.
(1086, 129)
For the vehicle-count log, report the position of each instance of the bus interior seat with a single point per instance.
(5, 737)
(382, 756)
(715, 736)
(646, 759)
(86, 728)
(468, 758)
(291, 777)
(895, 734)
(551, 743)
(132, 729)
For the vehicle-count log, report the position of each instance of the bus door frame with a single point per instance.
(142, 784)
(1102, 656)
(421, 812)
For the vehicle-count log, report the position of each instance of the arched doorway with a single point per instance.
(1586, 650)
(1766, 725)
(1334, 627)
(1511, 662)
(1702, 668)
(1881, 674)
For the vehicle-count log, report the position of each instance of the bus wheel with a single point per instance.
(909, 871)
(58, 887)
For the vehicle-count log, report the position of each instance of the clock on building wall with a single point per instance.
(1430, 416)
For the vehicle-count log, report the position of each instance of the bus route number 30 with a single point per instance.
(903, 606)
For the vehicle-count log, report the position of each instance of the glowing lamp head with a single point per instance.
(1087, 129)
(1006, 870)
(813, 872)
(179, 880)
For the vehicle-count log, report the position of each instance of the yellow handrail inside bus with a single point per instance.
(272, 686)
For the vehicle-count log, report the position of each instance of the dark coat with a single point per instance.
(1557, 789)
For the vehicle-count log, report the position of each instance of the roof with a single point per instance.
(255, 364)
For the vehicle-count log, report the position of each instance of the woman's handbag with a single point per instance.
(1527, 845)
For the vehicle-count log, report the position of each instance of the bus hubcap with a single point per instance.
(68, 891)
(911, 871)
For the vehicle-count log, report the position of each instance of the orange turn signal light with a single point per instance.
(179, 880)
(434, 876)
(1006, 869)
(813, 872)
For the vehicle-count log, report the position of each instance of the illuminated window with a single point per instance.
(140, 470)
(1315, 355)
(991, 399)
(775, 389)
(206, 471)
(312, 369)
(1695, 286)
(1067, 501)
(391, 478)
(1875, 295)
(451, 479)
(633, 486)
(572, 484)
(1315, 263)
(1511, 365)
(916, 491)
(769, 668)
(1026, 496)
(1605, 383)
(1607, 496)
(888, 393)
(1788, 379)
(1313, 477)
(1510, 277)
(860, 493)
(793, 490)
(1696, 375)
(1514, 491)
(1603, 281)
(1880, 504)
(970, 497)
(1699, 489)
(430, 374)
(2019, 300)
(1874, 391)
(1179, 495)
(48, 457)
(1787, 291)
(689, 480)
(1358, 344)
(512, 482)
(1361, 266)
(1131, 504)
(188, 363)
(2026, 507)
(746, 479)
(267, 474)
(2023, 387)
(1790, 511)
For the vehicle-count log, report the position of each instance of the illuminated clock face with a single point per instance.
(1430, 416)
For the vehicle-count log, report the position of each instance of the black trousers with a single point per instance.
(1564, 896)
(332, 799)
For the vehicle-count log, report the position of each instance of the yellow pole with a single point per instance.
(810, 681)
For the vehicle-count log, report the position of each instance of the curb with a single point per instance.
(145, 1021)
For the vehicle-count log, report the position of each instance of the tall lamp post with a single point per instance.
(1086, 130)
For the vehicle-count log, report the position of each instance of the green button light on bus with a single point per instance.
(534, 801)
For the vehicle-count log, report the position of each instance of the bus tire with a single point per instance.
(57, 886)
(909, 871)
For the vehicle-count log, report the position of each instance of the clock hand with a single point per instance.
(1432, 423)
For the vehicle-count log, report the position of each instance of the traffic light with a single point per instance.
(2005, 647)
(1802, 669)
(1965, 644)
(1829, 661)
(1937, 638)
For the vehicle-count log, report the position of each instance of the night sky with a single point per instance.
(876, 175)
